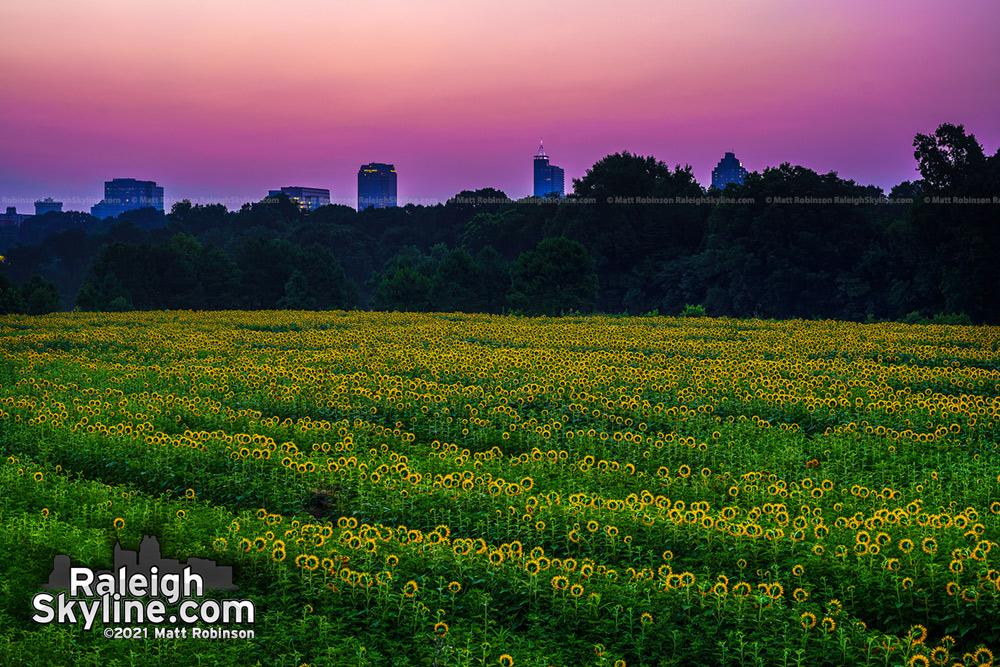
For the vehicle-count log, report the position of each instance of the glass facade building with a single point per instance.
(308, 199)
(549, 179)
(376, 185)
(127, 194)
(730, 170)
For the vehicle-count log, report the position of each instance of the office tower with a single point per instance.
(549, 179)
(308, 199)
(376, 186)
(730, 170)
(127, 194)
(43, 206)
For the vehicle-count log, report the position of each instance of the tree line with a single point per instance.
(788, 242)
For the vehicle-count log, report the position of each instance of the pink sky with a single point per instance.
(222, 100)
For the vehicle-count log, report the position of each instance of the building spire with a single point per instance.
(541, 149)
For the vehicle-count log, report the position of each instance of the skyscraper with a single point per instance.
(43, 206)
(549, 179)
(730, 170)
(308, 199)
(127, 194)
(376, 185)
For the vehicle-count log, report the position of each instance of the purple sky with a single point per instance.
(221, 101)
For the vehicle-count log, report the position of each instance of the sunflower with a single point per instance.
(808, 620)
(917, 634)
(983, 656)
(940, 655)
(441, 629)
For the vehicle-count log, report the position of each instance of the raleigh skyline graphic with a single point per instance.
(215, 577)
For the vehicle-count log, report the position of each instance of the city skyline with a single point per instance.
(186, 95)
(324, 196)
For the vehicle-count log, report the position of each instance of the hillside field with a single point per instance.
(449, 489)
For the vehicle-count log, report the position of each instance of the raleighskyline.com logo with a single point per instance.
(145, 589)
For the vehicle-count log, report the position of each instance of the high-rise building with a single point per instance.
(549, 179)
(43, 206)
(730, 170)
(376, 186)
(308, 199)
(127, 194)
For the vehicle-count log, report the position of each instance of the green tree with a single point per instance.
(10, 298)
(265, 267)
(630, 221)
(405, 289)
(953, 247)
(948, 158)
(494, 276)
(557, 276)
(297, 296)
(329, 286)
(510, 232)
(40, 297)
(219, 278)
(456, 285)
(98, 293)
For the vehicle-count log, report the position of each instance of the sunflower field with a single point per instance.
(448, 489)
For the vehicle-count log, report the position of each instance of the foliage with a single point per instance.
(693, 311)
(788, 242)
(556, 276)
(35, 296)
